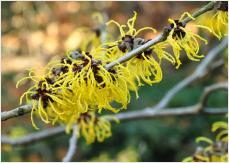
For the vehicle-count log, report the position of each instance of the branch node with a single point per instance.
(165, 33)
(20, 111)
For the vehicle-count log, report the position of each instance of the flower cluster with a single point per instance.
(144, 65)
(219, 23)
(76, 87)
(77, 84)
(181, 38)
(214, 151)
(93, 127)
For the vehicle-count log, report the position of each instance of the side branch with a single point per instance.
(72, 146)
(209, 90)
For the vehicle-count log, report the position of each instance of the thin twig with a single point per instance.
(134, 115)
(72, 146)
(153, 112)
(168, 112)
(19, 111)
(34, 137)
(209, 90)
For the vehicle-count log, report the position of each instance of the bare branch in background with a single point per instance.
(167, 112)
(14, 113)
(34, 137)
(200, 71)
(135, 115)
(188, 110)
(209, 90)
(72, 146)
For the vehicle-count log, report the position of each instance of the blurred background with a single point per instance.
(35, 32)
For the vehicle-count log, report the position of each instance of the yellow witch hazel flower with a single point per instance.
(214, 151)
(160, 50)
(219, 21)
(144, 65)
(94, 87)
(93, 128)
(216, 20)
(43, 97)
(181, 38)
(145, 68)
(128, 34)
